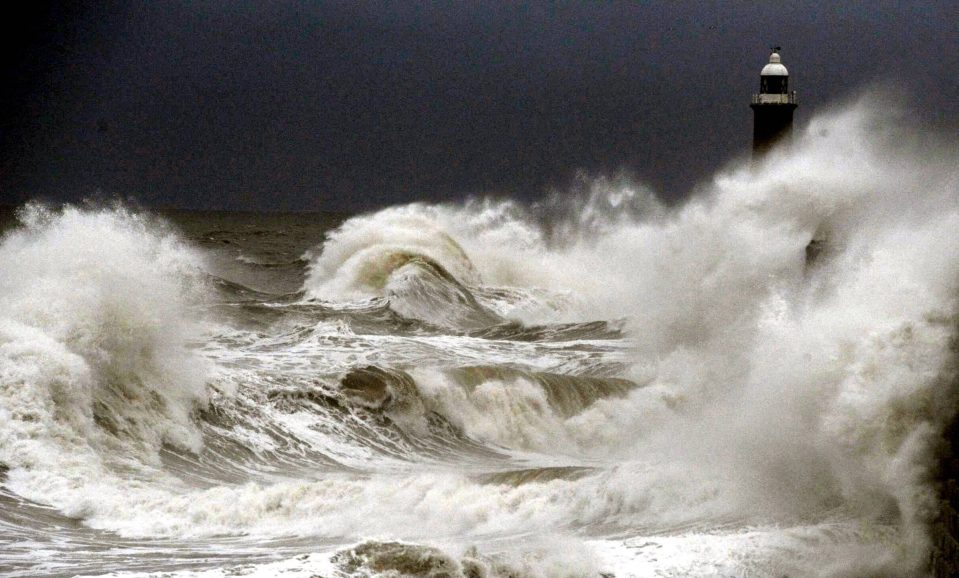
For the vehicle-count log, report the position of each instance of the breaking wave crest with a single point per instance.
(693, 378)
(828, 376)
(95, 370)
(359, 257)
(409, 254)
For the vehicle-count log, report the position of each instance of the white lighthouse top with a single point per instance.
(775, 66)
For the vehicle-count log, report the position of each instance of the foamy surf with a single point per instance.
(487, 389)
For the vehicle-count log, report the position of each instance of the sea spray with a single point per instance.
(813, 383)
(95, 373)
(745, 411)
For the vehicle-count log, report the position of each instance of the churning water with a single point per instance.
(593, 385)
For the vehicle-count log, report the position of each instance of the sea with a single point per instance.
(594, 384)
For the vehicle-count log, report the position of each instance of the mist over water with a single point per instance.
(598, 383)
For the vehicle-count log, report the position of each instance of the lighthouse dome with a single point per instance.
(775, 66)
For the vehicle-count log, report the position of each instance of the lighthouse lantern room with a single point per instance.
(773, 107)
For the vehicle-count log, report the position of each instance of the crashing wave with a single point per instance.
(422, 289)
(789, 414)
(95, 369)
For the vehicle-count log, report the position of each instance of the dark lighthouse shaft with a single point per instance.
(773, 107)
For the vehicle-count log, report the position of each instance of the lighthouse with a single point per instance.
(773, 107)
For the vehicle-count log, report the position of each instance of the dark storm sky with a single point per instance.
(351, 105)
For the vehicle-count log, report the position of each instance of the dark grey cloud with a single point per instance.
(350, 105)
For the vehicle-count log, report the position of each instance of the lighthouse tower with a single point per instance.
(773, 107)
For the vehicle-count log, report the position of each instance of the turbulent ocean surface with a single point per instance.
(594, 385)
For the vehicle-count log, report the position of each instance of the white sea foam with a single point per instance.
(811, 384)
(94, 370)
(771, 392)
